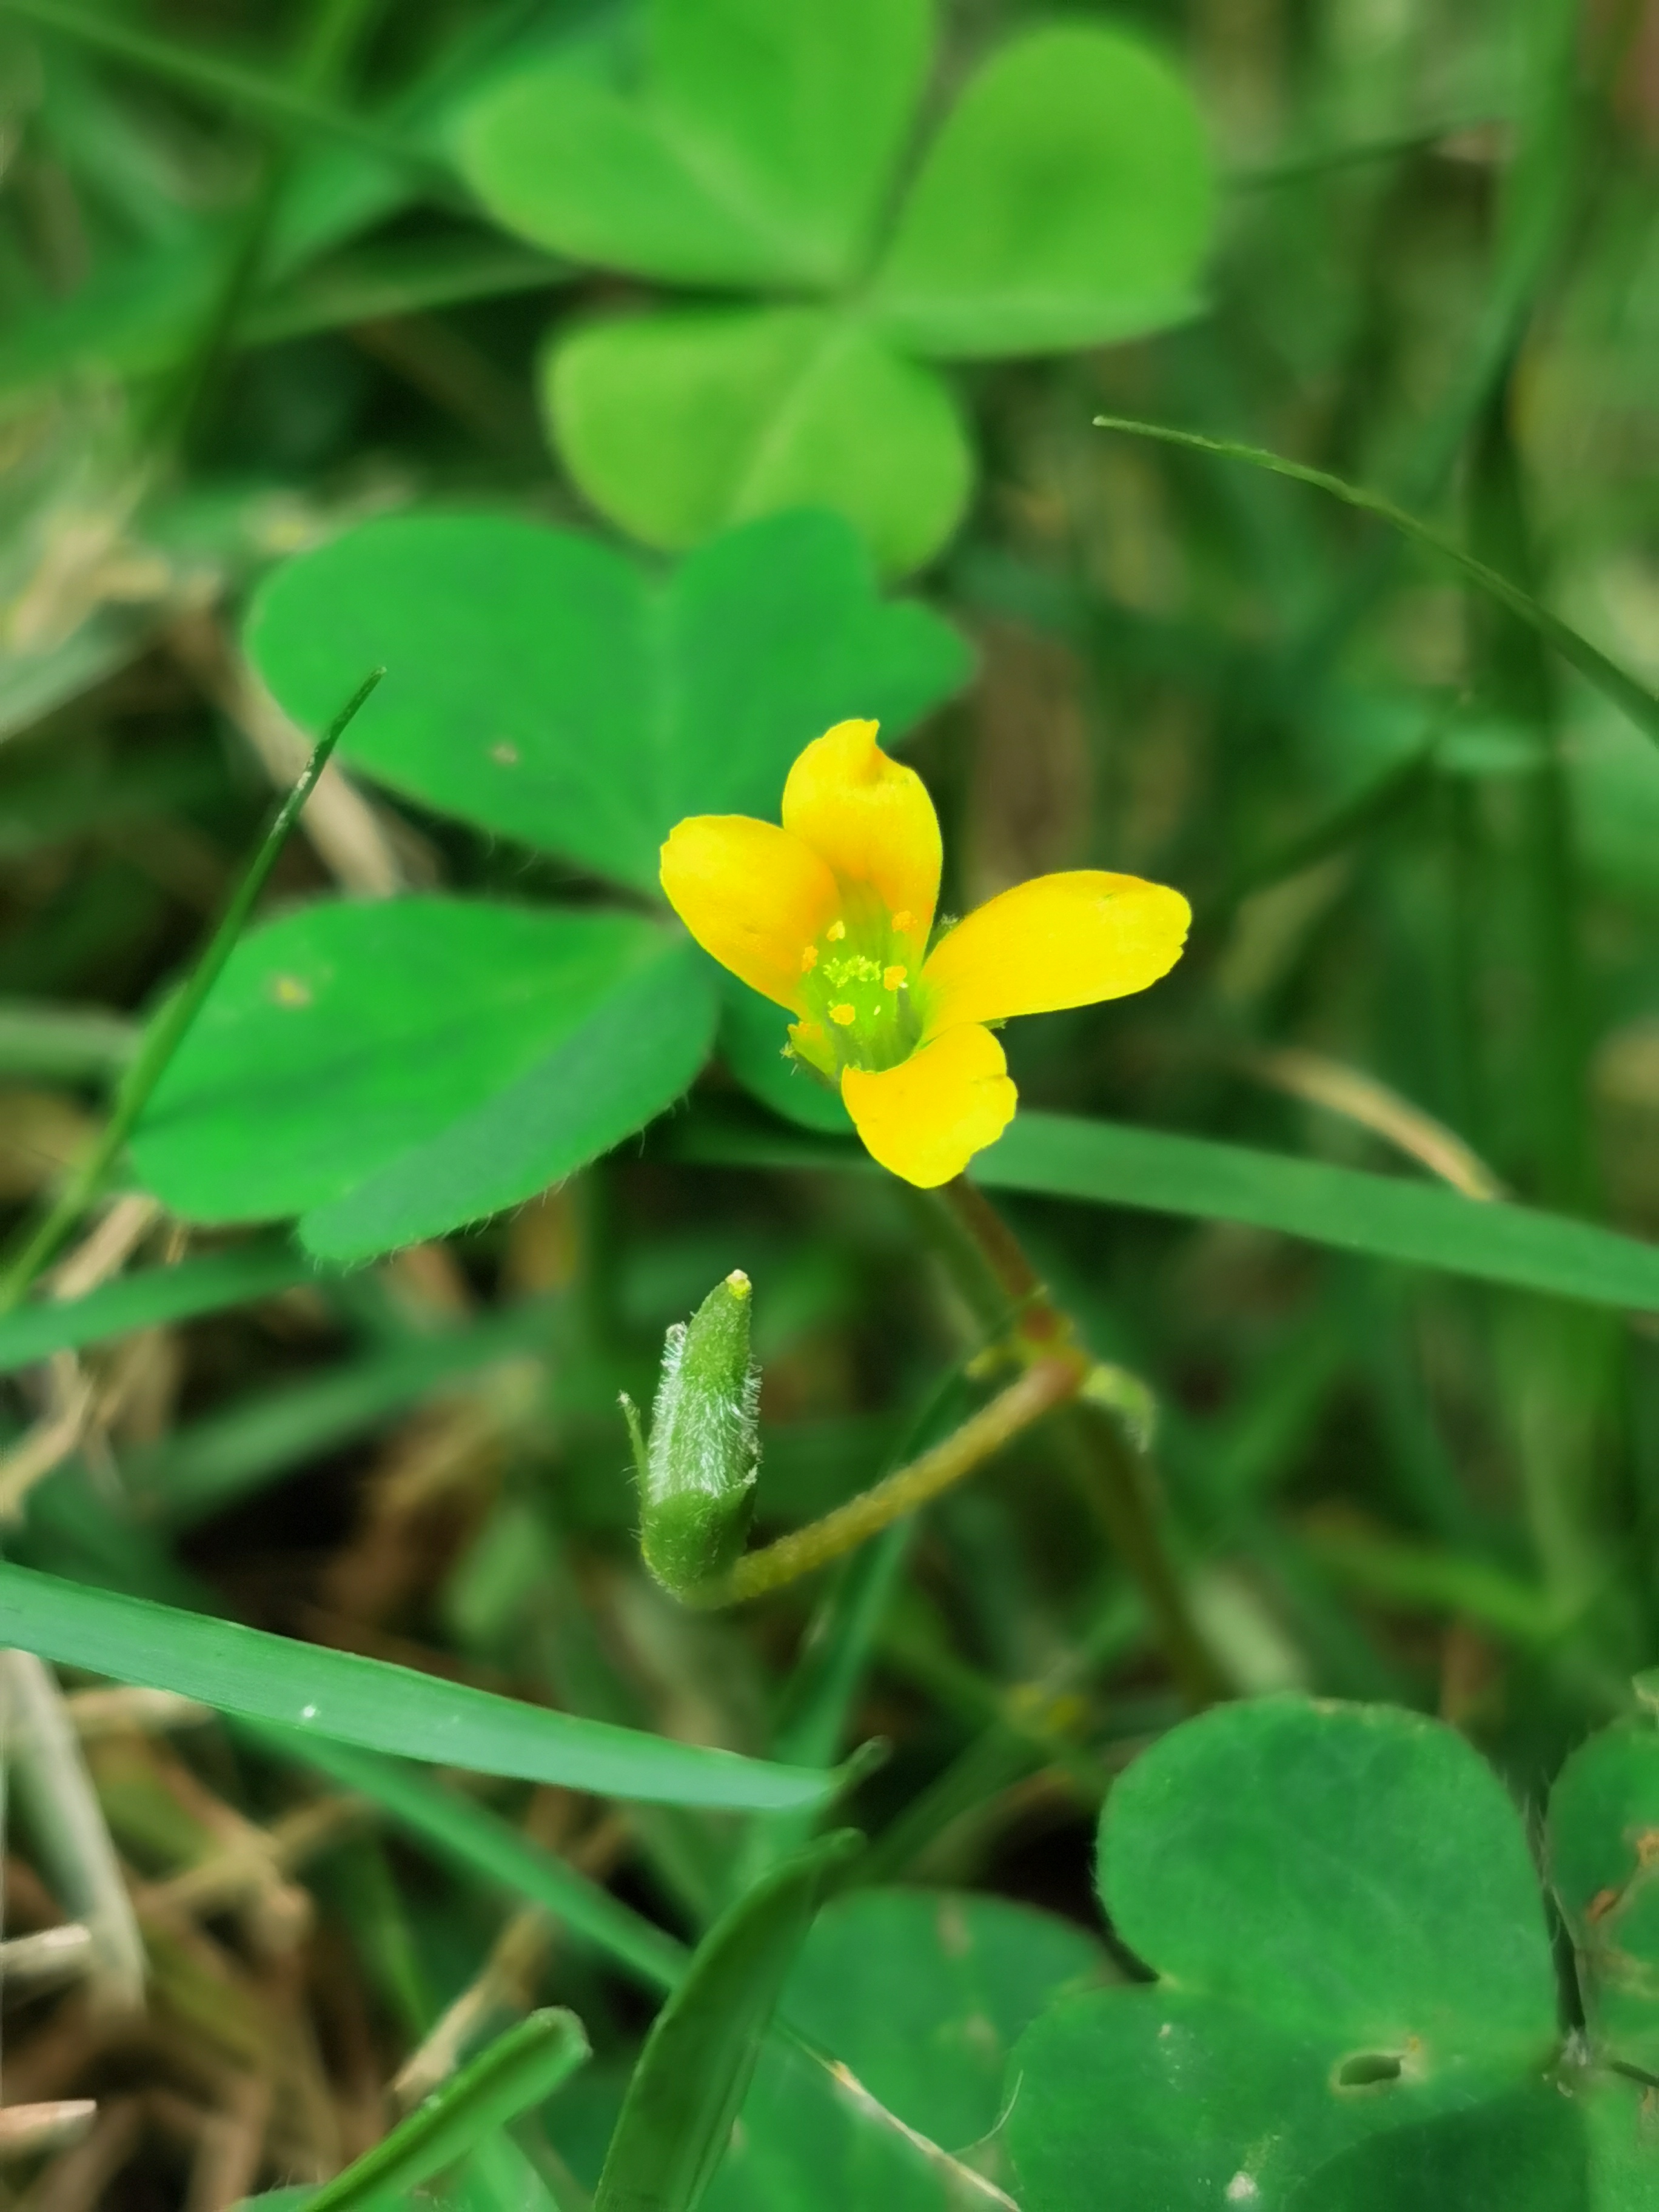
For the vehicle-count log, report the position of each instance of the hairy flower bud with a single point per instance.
(698, 1478)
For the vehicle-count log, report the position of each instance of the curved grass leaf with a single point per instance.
(699, 2056)
(1631, 697)
(152, 1299)
(366, 1701)
(480, 1843)
(209, 1463)
(1383, 1217)
(517, 2071)
(267, 94)
(477, 1843)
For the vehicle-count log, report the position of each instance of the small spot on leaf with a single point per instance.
(1368, 2070)
(955, 1937)
(506, 753)
(289, 991)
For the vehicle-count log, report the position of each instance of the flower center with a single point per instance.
(860, 985)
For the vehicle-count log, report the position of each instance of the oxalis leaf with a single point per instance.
(1603, 1838)
(1066, 200)
(542, 686)
(1356, 2005)
(679, 423)
(754, 145)
(391, 1070)
(918, 1995)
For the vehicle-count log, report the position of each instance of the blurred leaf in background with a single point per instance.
(1064, 201)
(598, 368)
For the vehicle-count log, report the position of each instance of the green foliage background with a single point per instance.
(647, 384)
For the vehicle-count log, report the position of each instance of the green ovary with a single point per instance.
(860, 988)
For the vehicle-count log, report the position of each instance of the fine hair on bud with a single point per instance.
(697, 1483)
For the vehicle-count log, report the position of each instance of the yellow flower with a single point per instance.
(830, 916)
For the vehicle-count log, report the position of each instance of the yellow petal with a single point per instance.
(1063, 940)
(870, 818)
(925, 1119)
(751, 893)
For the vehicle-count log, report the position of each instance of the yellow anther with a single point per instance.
(809, 959)
(835, 932)
(904, 921)
(892, 977)
(842, 1015)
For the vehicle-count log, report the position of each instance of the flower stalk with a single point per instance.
(803, 1551)
(1106, 1464)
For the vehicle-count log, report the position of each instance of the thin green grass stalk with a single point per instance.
(259, 92)
(1112, 1476)
(1631, 696)
(164, 1035)
(181, 403)
(1513, 673)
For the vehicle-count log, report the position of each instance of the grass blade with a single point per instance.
(366, 1701)
(151, 1298)
(167, 1033)
(66, 1044)
(1617, 684)
(1383, 1217)
(480, 1843)
(517, 2071)
(226, 1455)
(259, 92)
(698, 2058)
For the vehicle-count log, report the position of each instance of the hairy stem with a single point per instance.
(1114, 1480)
(1042, 1388)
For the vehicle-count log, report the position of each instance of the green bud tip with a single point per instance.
(698, 1481)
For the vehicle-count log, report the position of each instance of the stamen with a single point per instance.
(809, 959)
(893, 978)
(904, 921)
(835, 932)
(843, 1016)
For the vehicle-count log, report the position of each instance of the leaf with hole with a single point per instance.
(1355, 1983)
(540, 685)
